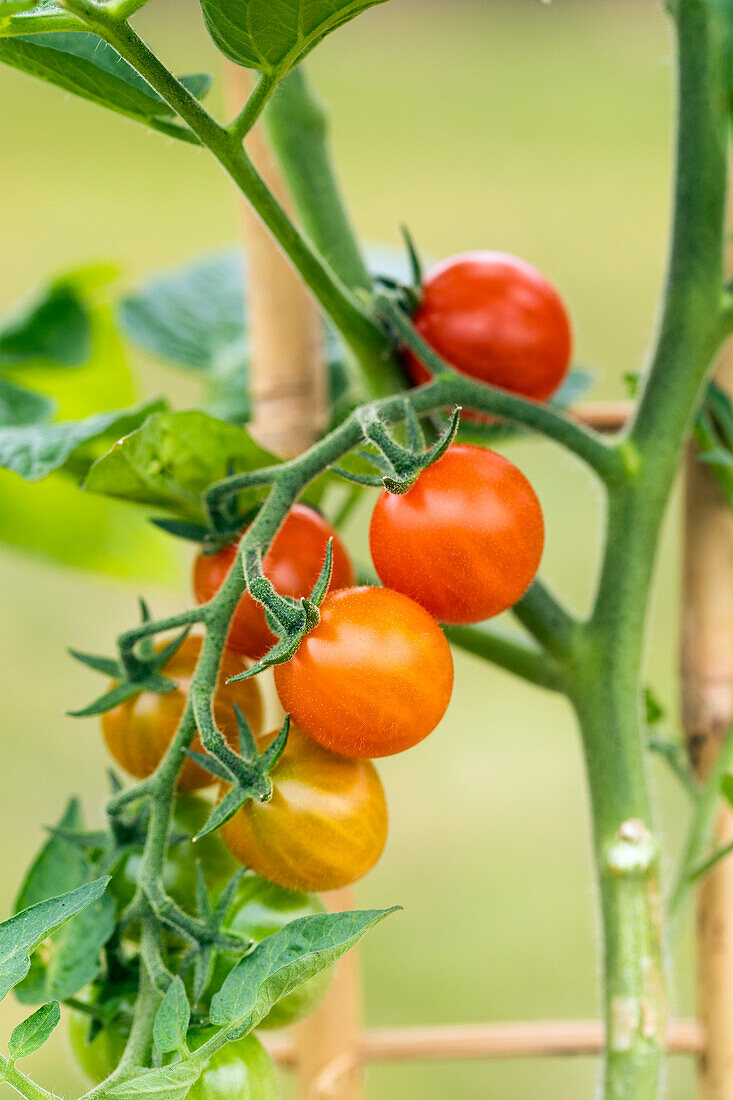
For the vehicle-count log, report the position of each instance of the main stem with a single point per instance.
(607, 654)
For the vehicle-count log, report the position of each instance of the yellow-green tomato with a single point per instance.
(260, 909)
(97, 1059)
(239, 1071)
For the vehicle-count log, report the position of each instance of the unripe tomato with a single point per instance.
(292, 563)
(325, 825)
(465, 541)
(97, 1059)
(179, 871)
(495, 318)
(373, 678)
(241, 1070)
(261, 909)
(139, 731)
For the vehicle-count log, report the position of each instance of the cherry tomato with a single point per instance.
(139, 731)
(292, 563)
(325, 825)
(495, 318)
(261, 909)
(179, 872)
(373, 678)
(97, 1059)
(239, 1071)
(465, 541)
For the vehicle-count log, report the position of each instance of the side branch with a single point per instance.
(508, 652)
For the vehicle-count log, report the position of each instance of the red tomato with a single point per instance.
(495, 318)
(292, 563)
(373, 678)
(465, 541)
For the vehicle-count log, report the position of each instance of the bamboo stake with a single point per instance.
(707, 702)
(462, 1042)
(288, 382)
(288, 385)
(327, 1046)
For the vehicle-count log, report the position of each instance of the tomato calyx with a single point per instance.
(399, 466)
(247, 772)
(134, 671)
(200, 958)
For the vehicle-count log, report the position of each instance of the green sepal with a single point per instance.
(161, 685)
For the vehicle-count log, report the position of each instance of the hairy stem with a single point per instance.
(22, 1084)
(508, 652)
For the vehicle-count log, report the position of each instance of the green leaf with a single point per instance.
(274, 35)
(170, 1083)
(173, 458)
(32, 18)
(23, 933)
(34, 450)
(30, 1036)
(54, 325)
(172, 1019)
(87, 66)
(72, 959)
(20, 407)
(282, 962)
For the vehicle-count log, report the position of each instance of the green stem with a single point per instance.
(368, 345)
(607, 652)
(22, 1084)
(545, 618)
(700, 833)
(509, 652)
(297, 126)
(253, 108)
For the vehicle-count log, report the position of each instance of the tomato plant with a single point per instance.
(465, 541)
(138, 731)
(496, 318)
(373, 678)
(140, 924)
(292, 563)
(325, 825)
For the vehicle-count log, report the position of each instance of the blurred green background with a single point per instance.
(541, 131)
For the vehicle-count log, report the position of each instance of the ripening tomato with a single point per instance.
(373, 678)
(325, 825)
(465, 541)
(292, 563)
(495, 318)
(261, 909)
(139, 731)
(97, 1059)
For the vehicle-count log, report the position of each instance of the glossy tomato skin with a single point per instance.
(179, 872)
(373, 678)
(241, 1070)
(325, 825)
(260, 909)
(292, 563)
(465, 541)
(495, 318)
(138, 731)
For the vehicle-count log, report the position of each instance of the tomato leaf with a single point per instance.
(53, 325)
(21, 17)
(286, 960)
(172, 1019)
(87, 66)
(73, 956)
(31, 1034)
(274, 35)
(20, 407)
(34, 450)
(173, 458)
(23, 933)
(170, 1083)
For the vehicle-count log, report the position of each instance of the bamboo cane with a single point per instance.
(522, 1039)
(707, 703)
(288, 386)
